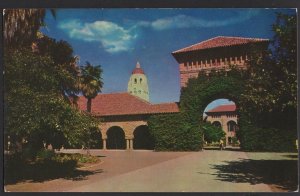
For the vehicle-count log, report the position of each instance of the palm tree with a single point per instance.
(90, 82)
(21, 25)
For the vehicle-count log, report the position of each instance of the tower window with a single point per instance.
(140, 80)
(135, 80)
(140, 91)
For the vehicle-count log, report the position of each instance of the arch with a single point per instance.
(217, 124)
(143, 138)
(115, 138)
(202, 90)
(231, 126)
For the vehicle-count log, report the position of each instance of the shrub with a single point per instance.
(212, 133)
(266, 139)
(173, 132)
(45, 154)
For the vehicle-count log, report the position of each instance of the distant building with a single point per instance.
(225, 117)
(138, 84)
(217, 53)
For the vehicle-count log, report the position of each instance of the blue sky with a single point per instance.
(117, 38)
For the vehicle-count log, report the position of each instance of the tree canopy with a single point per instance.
(41, 76)
(90, 82)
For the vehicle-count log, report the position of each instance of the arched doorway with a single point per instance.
(142, 138)
(115, 138)
(217, 124)
(231, 130)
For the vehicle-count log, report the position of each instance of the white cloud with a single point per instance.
(115, 38)
(184, 21)
(112, 37)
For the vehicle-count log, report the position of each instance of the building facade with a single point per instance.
(124, 115)
(225, 117)
(218, 53)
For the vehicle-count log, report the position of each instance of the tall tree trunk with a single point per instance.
(89, 105)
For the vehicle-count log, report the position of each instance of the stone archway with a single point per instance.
(202, 90)
(142, 138)
(115, 138)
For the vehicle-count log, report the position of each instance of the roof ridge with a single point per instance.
(190, 48)
(143, 100)
(196, 44)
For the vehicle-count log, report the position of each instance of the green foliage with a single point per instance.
(172, 132)
(206, 88)
(267, 139)
(269, 100)
(212, 133)
(45, 154)
(79, 158)
(90, 82)
(234, 141)
(35, 109)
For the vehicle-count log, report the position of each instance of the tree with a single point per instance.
(90, 82)
(64, 61)
(212, 133)
(35, 110)
(21, 26)
(269, 100)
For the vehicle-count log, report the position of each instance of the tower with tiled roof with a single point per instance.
(138, 84)
(217, 53)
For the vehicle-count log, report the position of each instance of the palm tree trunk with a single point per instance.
(89, 105)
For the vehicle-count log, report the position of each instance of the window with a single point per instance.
(140, 91)
(135, 80)
(141, 80)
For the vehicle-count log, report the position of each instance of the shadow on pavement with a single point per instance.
(281, 173)
(20, 170)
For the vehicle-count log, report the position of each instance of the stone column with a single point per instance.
(127, 145)
(104, 144)
(131, 144)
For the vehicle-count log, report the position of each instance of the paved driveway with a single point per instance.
(146, 171)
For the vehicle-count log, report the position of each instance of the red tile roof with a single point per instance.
(138, 71)
(114, 104)
(220, 41)
(223, 108)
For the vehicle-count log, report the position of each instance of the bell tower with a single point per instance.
(138, 84)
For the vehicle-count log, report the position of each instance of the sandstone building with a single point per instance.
(225, 117)
(124, 115)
